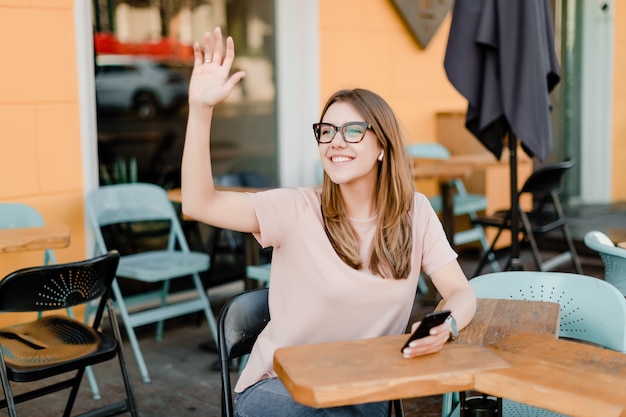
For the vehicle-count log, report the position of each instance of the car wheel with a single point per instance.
(145, 106)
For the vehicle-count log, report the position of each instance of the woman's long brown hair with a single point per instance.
(391, 251)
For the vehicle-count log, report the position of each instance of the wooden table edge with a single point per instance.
(556, 397)
(55, 236)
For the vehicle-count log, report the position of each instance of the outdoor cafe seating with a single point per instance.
(241, 320)
(546, 215)
(464, 203)
(20, 216)
(536, 341)
(51, 353)
(585, 302)
(127, 208)
(13, 215)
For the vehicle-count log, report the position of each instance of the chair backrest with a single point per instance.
(591, 309)
(613, 258)
(53, 287)
(229, 179)
(241, 320)
(13, 215)
(427, 150)
(128, 203)
(547, 179)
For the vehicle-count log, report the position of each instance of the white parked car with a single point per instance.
(137, 84)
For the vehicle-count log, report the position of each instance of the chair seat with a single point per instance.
(155, 266)
(463, 204)
(50, 346)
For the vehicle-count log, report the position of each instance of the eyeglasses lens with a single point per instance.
(326, 132)
(351, 132)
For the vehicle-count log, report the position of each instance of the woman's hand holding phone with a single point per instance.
(424, 339)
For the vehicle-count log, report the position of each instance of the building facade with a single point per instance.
(48, 153)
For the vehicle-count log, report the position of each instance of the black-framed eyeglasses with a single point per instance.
(351, 132)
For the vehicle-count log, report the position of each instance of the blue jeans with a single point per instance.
(270, 398)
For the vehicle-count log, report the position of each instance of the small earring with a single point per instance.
(380, 157)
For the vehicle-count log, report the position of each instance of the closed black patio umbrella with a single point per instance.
(501, 57)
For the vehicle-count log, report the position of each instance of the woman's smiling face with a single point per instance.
(348, 163)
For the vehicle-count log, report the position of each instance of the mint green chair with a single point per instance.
(464, 203)
(613, 257)
(592, 310)
(132, 205)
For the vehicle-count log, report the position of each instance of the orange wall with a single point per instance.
(618, 191)
(366, 44)
(370, 47)
(40, 148)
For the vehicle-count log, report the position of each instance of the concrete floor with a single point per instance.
(184, 383)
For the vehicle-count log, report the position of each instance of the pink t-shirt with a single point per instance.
(314, 297)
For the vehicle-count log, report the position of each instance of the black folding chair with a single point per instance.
(241, 320)
(545, 185)
(56, 344)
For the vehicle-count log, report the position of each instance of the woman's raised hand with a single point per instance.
(211, 81)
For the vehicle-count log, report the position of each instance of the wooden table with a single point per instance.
(497, 319)
(342, 373)
(563, 376)
(34, 238)
(349, 372)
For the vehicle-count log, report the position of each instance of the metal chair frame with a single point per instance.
(545, 185)
(56, 345)
(139, 203)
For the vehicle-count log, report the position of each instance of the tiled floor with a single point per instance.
(184, 383)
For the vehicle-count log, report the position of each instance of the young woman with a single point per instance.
(346, 257)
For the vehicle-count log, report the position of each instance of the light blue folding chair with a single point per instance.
(464, 203)
(131, 205)
(591, 311)
(613, 258)
(14, 215)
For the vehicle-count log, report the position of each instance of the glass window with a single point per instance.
(143, 63)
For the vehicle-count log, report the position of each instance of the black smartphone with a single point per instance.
(429, 321)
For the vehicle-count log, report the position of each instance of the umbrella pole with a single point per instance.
(516, 264)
